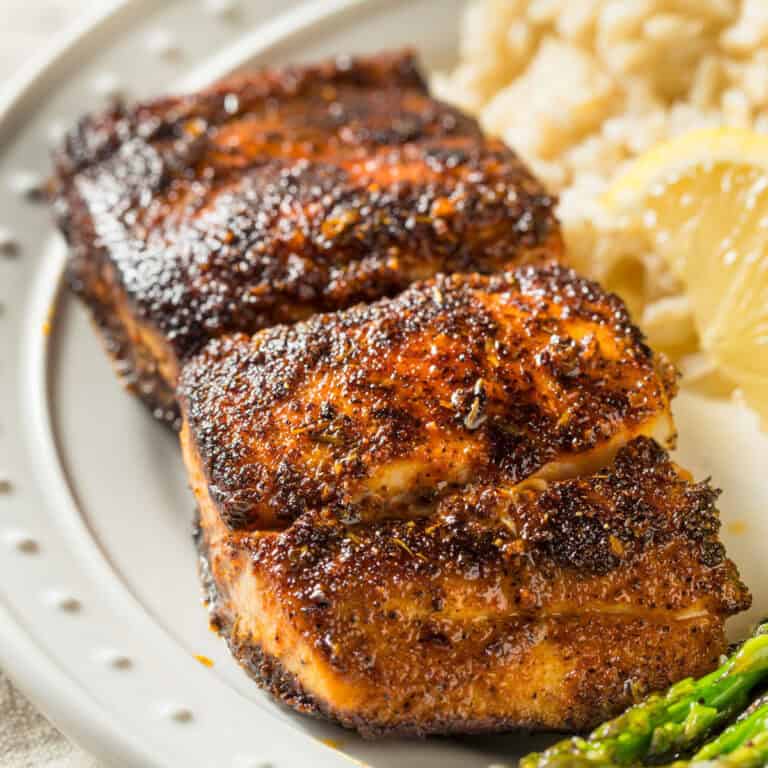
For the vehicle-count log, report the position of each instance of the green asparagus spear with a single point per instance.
(671, 723)
(753, 754)
(742, 745)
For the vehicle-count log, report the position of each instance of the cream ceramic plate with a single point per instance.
(100, 616)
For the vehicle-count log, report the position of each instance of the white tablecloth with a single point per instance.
(28, 740)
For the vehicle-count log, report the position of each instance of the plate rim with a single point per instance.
(26, 79)
(70, 708)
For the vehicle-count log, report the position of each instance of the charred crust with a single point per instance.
(590, 525)
(97, 137)
(596, 523)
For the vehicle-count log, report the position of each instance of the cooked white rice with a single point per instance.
(580, 87)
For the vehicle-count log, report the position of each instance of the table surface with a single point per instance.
(27, 740)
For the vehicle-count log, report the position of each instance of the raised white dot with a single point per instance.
(28, 185)
(22, 542)
(176, 713)
(9, 245)
(221, 8)
(162, 44)
(63, 601)
(114, 659)
(107, 85)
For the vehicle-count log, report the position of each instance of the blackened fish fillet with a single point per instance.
(451, 511)
(277, 194)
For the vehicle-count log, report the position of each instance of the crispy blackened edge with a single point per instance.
(99, 135)
(133, 363)
(589, 538)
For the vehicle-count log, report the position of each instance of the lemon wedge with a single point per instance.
(702, 199)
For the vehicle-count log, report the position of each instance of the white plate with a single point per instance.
(100, 616)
